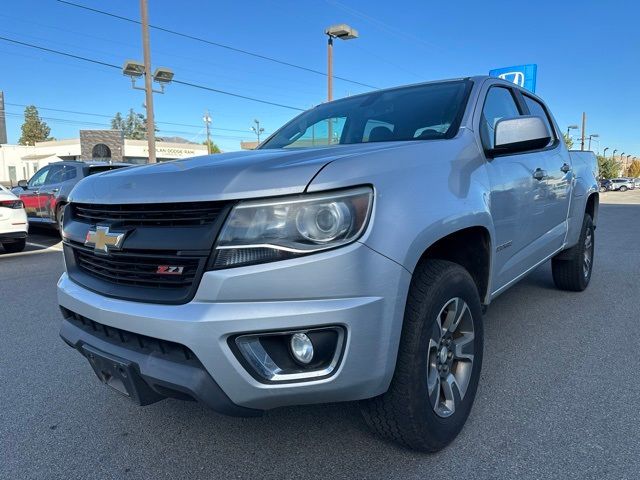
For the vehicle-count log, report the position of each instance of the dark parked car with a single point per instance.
(605, 185)
(45, 194)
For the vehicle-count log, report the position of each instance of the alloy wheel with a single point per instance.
(451, 354)
(588, 253)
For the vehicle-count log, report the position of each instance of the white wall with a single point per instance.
(13, 155)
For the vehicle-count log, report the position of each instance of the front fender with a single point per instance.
(424, 191)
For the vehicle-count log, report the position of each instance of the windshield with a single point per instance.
(423, 112)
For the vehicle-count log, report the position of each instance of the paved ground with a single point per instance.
(558, 396)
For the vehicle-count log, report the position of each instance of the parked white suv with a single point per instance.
(13, 222)
(622, 184)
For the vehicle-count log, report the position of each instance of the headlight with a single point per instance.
(260, 231)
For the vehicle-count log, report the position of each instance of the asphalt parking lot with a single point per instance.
(558, 398)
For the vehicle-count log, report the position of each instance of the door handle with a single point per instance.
(539, 174)
(566, 168)
(55, 190)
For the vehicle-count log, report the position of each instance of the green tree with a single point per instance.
(213, 148)
(634, 169)
(117, 122)
(608, 167)
(34, 129)
(568, 140)
(134, 125)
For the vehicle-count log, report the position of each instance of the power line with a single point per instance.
(102, 115)
(69, 121)
(381, 25)
(216, 44)
(111, 65)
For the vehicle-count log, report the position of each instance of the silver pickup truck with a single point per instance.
(350, 257)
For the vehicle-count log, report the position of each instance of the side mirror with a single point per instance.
(519, 134)
(23, 184)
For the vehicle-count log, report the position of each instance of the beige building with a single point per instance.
(19, 162)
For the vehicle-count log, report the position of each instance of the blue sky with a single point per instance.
(588, 56)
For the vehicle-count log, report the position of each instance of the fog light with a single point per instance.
(301, 348)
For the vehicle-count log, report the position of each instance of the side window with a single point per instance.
(69, 173)
(499, 104)
(55, 175)
(536, 108)
(39, 178)
(324, 132)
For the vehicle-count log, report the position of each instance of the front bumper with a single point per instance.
(353, 287)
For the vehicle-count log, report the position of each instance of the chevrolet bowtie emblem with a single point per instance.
(102, 240)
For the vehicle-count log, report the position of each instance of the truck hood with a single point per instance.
(236, 175)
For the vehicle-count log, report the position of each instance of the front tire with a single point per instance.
(572, 268)
(59, 217)
(15, 247)
(439, 361)
(623, 188)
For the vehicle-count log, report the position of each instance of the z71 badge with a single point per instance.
(169, 270)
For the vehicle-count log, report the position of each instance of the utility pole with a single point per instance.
(584, 126)
(146, 51)
(207, 122)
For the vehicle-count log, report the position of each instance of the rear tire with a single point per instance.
(623, 188)
(429, 400)
(572, 268)
(15, 247)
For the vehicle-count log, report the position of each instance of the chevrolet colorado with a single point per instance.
(350, 257)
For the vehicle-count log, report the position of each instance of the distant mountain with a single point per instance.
(176, 140)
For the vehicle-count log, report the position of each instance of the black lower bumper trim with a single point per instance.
(160, 377)
(12, 236)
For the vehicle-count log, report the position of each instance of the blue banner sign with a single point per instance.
(523, 75)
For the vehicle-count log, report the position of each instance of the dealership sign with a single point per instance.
(522, 75)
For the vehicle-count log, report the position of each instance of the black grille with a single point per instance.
(139, 268)
(152, 214)
(132, 341)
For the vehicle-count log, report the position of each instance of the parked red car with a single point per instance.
(45, 194)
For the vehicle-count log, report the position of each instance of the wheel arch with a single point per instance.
(469, 247)
(592, 206)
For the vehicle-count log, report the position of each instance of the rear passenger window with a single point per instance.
(499, 104)
(536, 108)
(55, 174)
(69, 173)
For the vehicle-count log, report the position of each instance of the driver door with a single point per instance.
(31, 196)
(514, 192)
(49, 192)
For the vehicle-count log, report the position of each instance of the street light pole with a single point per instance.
(257, 129)
(343, 32)
(569, 128)
(146, 51)
(330, 68)
(595, 135)
(584, 125)
(604, 152)
(207, 122)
